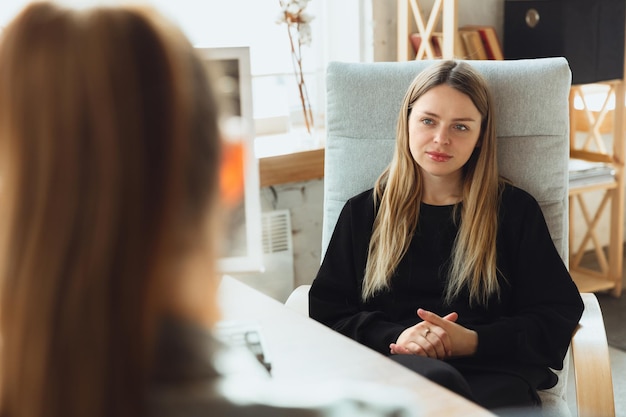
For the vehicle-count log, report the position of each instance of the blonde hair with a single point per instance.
(110, 155)
(398, 192)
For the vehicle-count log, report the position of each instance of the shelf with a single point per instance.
(582, 189)
(293, 167)
(591, 121)
(410, 16)
(290, 157)
(588, 280)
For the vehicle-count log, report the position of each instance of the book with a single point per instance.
(459, 49)
(416, 42)
(437, 43)
(474, 47)
(490, 40)
(583, 173)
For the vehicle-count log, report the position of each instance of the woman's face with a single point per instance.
(444, 128)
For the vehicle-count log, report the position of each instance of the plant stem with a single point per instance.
(296, 60)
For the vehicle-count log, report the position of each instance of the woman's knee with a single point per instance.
(437, 371)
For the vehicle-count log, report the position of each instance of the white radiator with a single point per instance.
(277, 279)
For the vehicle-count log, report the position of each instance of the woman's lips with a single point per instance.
(438, 156)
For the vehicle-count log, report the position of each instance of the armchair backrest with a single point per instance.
(531, 98)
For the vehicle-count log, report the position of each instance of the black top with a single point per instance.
(526, 330)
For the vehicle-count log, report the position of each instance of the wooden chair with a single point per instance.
(363, 100)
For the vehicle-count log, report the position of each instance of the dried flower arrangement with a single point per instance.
(293, 14)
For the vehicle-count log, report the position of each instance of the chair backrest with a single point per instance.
(531, 98)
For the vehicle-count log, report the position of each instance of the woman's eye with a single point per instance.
(427, 121)
(461, 127)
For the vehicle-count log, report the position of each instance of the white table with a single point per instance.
(304, 351)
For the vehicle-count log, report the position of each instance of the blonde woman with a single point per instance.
(445, 266)
(109, 161)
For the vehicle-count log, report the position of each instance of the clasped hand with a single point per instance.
(436, 337)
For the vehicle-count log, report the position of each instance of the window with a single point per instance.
(253, 23)
(337, 35)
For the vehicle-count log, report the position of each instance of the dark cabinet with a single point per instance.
(589, 33)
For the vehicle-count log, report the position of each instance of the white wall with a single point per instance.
(304, 200)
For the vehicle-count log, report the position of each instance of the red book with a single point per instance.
(490, 40)
(416, 42)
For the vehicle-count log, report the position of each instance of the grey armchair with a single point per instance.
(363, 100)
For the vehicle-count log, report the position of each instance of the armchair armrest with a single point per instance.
(299, 300)
(592, 367)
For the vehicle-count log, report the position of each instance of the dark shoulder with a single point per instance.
(360, 208)
(518, 205)
(513, 195)
(366, 197)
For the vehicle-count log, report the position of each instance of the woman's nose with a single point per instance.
(441, 137)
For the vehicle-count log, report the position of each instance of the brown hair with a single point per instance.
(399, 191)
(109, 152)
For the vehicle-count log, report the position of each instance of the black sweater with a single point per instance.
(526, 330)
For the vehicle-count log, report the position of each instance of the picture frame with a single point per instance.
(229, 67)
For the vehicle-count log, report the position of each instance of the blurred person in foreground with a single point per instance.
(110, 157)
